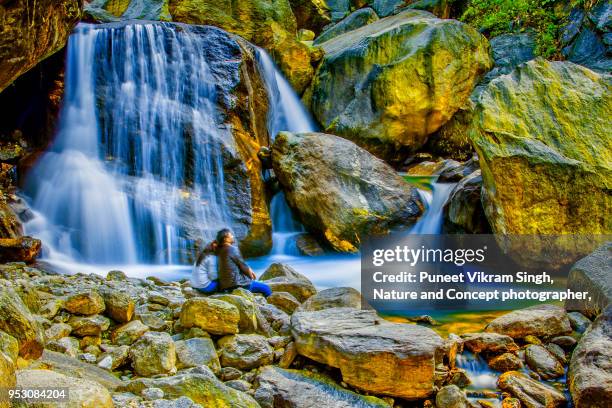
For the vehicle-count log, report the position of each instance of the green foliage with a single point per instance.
(496, 17)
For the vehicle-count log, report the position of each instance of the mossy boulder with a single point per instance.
(543, 137)
(17, 321)
(390, 84)
(311, 14)
(115, 10)
(352, 22)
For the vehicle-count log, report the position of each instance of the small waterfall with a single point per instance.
(434, 199)
(285, 228)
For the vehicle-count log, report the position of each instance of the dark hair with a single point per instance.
(222, 235)
(208, 250)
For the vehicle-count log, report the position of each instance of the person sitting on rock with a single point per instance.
(204, 273)
(233, 270)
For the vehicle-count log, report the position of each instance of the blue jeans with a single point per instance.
(210, 288)
(259, 287)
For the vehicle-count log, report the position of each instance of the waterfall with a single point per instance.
(139, 148)
(434, 199)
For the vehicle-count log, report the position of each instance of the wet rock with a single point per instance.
(463, 211)
(363, 78)
(543, 362)
(245, 351)
(492, 343)
(333, 297)
(196, 352)
(590, 372)
(21, 249)
(340, 191)
(557, 351)
(506, 362)
(591, 274)
(154, 353)
(451, 396)
(301, 389)
(128, 333)
(84, 303)
(119, 306)
(458, 377)
(88, 325)
(372, 354)
(353, 21)
(57, 331)
(539, 320)
(579, 322)
(17, 321)
(308, 245)
(567, 342)
(531, 393)
(212, 315)
(285, 301)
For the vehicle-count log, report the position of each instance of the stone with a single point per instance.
(116, 276)
(509, 51)
(153, 353)
(119, 306)
(279, 320)
(340, 191)
(353, 21)
(303, 389)
(333, 297)
(491, 343)
(459, 377)
(114, 357)
(540, 320)
(84, 303)
(87, 341)
(506, 362)
(288, 356)
(212, 315)
(21, 249)
(251, 319)
(590, 370)
(9, 346)
(557, 351)
(592, 274)
(7, 378)
(65, 345)
(372, 354)
(152, 393)
(83, 393)
(579, 322)
(389, 102)
(245, 351)
(17, 321)
(451, 396)
(308, 245)
(200, 385)
(531, 393)
(88, 325)
(57, 331)
(128, 333)
(313, 14)
(463, 211)
(51, 308)
(196, 352)
(285, 301)
(229, 373)
(509, 402)
(239, 385)
(540, 360)
(566, 342)
(532, 135)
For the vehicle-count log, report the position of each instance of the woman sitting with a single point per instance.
(233, 271)
(204, 273)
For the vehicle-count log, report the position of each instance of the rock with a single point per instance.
(57, 331)
(340, 191)
(353, 21)
(313, 14)
(333, 297)
(83, 393)
(28, 37)
(153, 353)
(17, 321)
(116, 276)
(51, 308)
(463, 211)
(285, 301)
(435, 63)
(557, 351)
(490, 343)
(567, 342)
(114, 10)
(65, 345)
(196, 352)
(509, 402)
(229, 373)
(21, 249)
(386, 8)
(302, 389)
(88, 325)
(440, 8)
(531, 393)
(84, 303)
(591, 274)
(128, 333)
(152, 393)
(452, 171)
(590, 371)
(9, 346)
(7, 378)
(245, 351)
(509, 51)
(451, 397)
(283, 278)
(308, 245)
(199, 385)
(119, 306)
(532, 137)
(579, 322)
(212, 315)
(288, 356)
(540, 320)
(10, 224)
(278, 319)
(372, 354)
(543, 362)
(506, 362)
(251, 319)
(280, 270)
(114, 357)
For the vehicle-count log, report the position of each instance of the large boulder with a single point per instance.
(303, 389)
(115, 10)
(16, 320)
(251, 319)
(311, 14)
(590, 372)
(463, 211)
(283, 278)
(195, 352)
(592, 274)
(542, 136)
(30, 33)
(531, 393)
(352, 22)
(340, 191)
(333, 297)
(119, 305)
(20, 249)
(371, 353)
(84, 303)
(212, 315)
(540, 320)
(154, 353)
(391, 83)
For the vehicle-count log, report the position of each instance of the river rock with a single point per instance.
(543, 131)
(372, 354)
(506, 362)
(490, 343)
(212, 315)
(119, 306)
(592, 274)
(285, 301)
(362, 77)
(451, 396)
(531, 393)
(302, 389)
(566, 342)
(333, 297)
(196, 352)
(128, 333)
(154, 353)
(590, 372)
(88, 325)
(463, 211)
(21, 249)
(279, 320)
(17, 321)
(245, 351)
(540, 320)
(251, 319)
(340, 191)
(543, 362)
(283, 278)
(353, 21)
(84, 303)
(200, 385)
(557, 351)
(82, 393)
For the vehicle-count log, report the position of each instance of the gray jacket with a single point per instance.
(233, 271)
